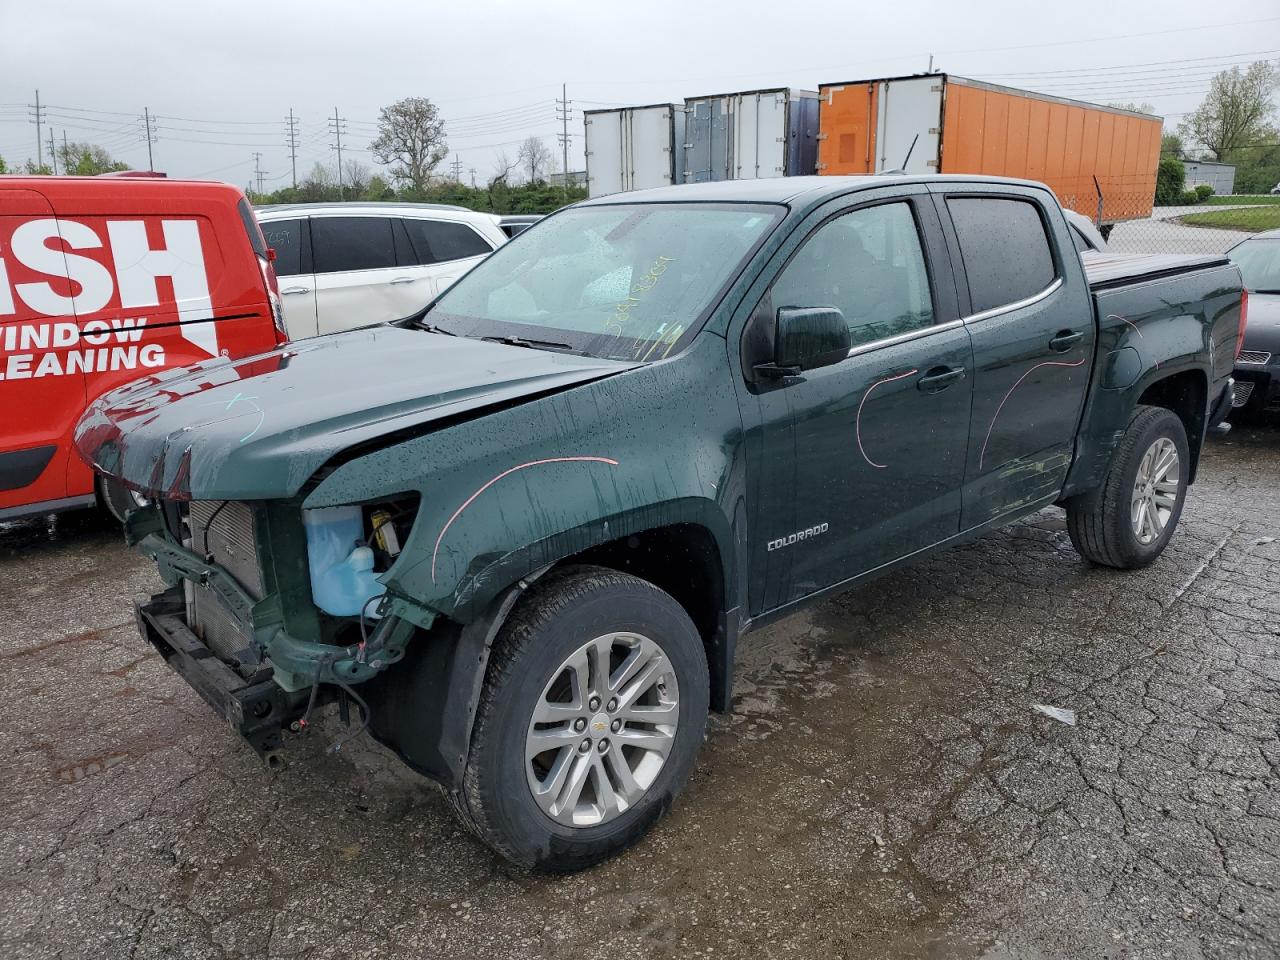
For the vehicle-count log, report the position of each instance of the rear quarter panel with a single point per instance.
(1149, 331)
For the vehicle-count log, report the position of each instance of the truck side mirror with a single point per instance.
(806, 338)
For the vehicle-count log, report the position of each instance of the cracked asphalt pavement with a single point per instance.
(883, 787)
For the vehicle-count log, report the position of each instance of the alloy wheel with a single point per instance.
(602, 729)
(1155, 491)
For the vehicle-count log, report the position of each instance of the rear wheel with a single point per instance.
(593, 712)
(1128, 521)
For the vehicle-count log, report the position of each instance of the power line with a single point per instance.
(38, 120)
(292, 142)
(337, 127)
(151, 138)
(563, 108)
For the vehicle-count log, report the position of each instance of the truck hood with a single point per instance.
(261, 427)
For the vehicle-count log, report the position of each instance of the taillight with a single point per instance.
(1244, 319)
(272, 286)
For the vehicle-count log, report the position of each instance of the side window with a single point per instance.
(352, 243)
(1006, 251)
(870, 264)
(285, 237)
(437, 241)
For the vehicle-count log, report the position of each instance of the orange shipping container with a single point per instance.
(1099, 160)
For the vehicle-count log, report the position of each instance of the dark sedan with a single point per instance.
(1258, 366)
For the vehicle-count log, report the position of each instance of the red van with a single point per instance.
(103, 281)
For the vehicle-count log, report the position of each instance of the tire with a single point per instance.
(561, 615)
(1101, 523)
(117, 498)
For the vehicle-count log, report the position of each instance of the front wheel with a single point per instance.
(593, 711)
(1128, 521)
(119, 499)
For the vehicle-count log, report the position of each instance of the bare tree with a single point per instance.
(503, 168)
(536, 158)
(355, 176)
(1236, 112)
(319, 185)
(411, 141)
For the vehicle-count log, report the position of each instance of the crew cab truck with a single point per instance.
(520, 534)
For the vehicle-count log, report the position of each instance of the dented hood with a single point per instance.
(260, 428)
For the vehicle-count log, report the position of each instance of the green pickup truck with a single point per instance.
(518, 536)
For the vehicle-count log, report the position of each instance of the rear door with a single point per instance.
(355, 263)
(909, 124)
(1031, 321)
(445, 250)
(291, 240)
(41, 392)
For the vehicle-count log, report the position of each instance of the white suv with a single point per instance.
(344, 265)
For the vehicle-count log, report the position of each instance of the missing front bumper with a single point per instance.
(256, 707)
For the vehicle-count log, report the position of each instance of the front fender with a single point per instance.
(519, 488)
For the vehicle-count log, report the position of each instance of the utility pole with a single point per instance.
(146, 118)
(66, 149)
(38, 119)
(473, 178)
(292, 142)
(52, 153)
(258, 172)
(931, 63)
(457, 168)
(336, 126)
(562, 114)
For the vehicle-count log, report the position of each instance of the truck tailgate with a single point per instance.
(1105, 270)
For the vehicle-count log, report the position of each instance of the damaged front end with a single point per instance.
(238, 621)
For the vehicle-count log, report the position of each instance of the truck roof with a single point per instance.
(813, 189)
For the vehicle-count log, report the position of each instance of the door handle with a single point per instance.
(290, 291)
(939, 378)
(404, 280)
(1065, 340)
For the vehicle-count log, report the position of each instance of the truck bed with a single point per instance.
(1107, 270)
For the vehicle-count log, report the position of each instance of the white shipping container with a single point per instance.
(633, 148)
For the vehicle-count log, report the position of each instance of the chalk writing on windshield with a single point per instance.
(622, 310)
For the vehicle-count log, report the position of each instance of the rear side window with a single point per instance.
(437, 241)
(251, 227)
(352, 243)
(285, 238)
(1006, 251)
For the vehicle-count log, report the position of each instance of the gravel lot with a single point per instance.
(883, 787)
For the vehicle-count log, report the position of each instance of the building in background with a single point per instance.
(1220, 176)
(576, 178)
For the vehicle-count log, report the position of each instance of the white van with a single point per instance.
(344, 265)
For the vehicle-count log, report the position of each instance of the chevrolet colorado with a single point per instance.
(522, 532)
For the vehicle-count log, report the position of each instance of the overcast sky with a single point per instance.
(222, 76)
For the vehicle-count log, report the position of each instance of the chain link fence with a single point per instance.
(1133, 223)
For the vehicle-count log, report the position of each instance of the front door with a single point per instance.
(861, 463)
(42, 391)
(1031, 321)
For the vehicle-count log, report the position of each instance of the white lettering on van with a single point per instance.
(182, 260)
(31, 247)
(6, 295)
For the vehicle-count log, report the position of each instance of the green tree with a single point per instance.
(1170, 178)
(1237, 111)
(86, 160)
(3, 167)
(411, 141)
(1171, 146)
